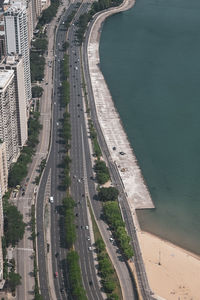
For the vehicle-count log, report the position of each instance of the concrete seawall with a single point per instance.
(137, 193)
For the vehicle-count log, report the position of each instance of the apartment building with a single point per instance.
(15, 62)
(8, 115)
(17, 41)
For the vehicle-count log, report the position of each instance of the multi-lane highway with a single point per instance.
(57, 247)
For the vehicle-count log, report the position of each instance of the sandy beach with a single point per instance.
(173, 273)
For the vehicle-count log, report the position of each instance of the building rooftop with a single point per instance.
(4, 77)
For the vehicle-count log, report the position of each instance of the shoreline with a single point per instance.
(164, 277)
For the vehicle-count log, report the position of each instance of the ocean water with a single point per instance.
(150, 57)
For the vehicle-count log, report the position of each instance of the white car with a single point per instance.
(86, 227)
(111, 239)
(90, 248)
(51, 200)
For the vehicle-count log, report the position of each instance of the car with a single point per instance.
(46, 83)
(90, 248)
(76, 214)
(23, 193)
(86, 227)
(122, 153)
(62, 290)
(51, 200)
(56, 254)
(114, 148)
(90, 282)
(111, 239)
(88, 238)
(56, 274)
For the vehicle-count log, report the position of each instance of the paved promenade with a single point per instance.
(137, 193)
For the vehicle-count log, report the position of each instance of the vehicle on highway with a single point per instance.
(122, 153)
(51, 200)
(56, 274)
(90, 248)
(86, 227)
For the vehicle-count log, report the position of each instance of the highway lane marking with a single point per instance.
(25, 249)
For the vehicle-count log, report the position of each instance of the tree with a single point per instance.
(109, 285)
(14, 226)
(108, 194)
(102, 173)
(37, 91)
(100, 246)
(113, 297)
(40, 44)
(14, 279)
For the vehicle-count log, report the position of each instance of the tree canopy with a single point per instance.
(102, 173)
(14, 226)
(108, 194)
(37, 91)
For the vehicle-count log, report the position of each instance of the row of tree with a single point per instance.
(37, 63)
(70, 230)
(85, 18)
(93, 136)
(19, 169)
(75, 280)
(113, 217)
(49, 13)
(105, 270)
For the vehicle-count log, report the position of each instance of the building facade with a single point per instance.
(8, 115)
(3, 168)
(15, 63)
(17, 41)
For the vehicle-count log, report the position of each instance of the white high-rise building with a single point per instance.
(15, 63)
(17, 41)
(8, 115)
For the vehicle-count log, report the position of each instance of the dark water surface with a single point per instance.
(150, 57)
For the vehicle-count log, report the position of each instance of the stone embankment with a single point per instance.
(137, 193)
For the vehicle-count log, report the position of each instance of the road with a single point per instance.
(55, 159)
